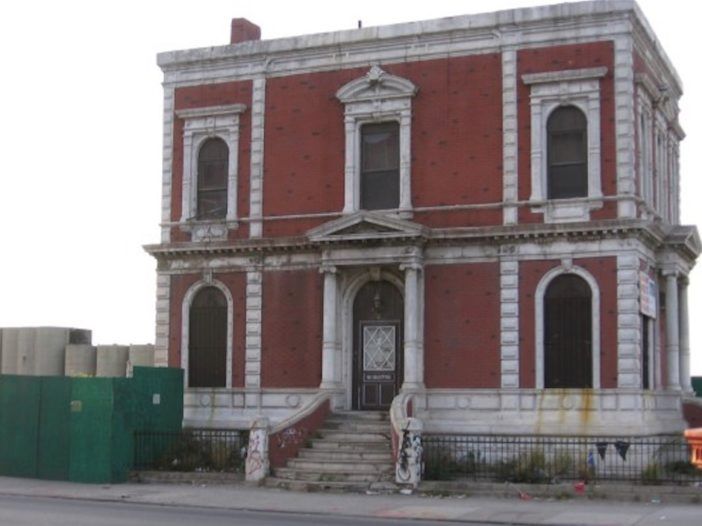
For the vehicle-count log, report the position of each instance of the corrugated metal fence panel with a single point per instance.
(159, 403)
(82, 429)
(91, 430)
(123, 419)
(53, 441)
(19, 425)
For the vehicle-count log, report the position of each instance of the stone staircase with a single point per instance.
(352, 452)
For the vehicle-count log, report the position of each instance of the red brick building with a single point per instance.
(481, 210)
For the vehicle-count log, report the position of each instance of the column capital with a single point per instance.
(670, 272)
(327, 268)
(411, 265)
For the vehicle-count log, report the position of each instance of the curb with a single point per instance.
(563, 491)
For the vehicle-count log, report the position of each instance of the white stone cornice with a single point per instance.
(468, 27)
(210, 111)
(425, 40)
(646, 82)
(567, 75)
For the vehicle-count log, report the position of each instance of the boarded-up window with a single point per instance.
(568, 333)
(207, 357)
(212, 168)
(567, 153)
(380, 166)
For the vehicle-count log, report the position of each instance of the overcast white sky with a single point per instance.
(80, 140)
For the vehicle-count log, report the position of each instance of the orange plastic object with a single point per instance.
(694, 438)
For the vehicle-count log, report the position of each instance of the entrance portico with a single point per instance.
(368, 248)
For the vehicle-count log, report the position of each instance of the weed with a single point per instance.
(651, 474)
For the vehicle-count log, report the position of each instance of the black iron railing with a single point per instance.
(550, 459)
(190, 450)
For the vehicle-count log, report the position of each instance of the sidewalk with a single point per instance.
(475, 509)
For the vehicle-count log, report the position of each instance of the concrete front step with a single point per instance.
(334, 486)
(348, 436)
(344, 466)
(359, 426)
(351, 452)
(357, 456)
(361, 415)
(335, 476)
(350, 445)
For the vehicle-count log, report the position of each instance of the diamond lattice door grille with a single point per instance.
(379, 348)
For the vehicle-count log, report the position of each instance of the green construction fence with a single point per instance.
(82, 429)
(697, 385)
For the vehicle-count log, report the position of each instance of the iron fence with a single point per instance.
(192, 449)
(550, 459)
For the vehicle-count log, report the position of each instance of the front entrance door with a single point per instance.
(378, 313)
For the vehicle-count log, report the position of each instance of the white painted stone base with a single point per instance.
(237, 408)
(610, 412)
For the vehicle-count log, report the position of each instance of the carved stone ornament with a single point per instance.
(374, 85)
(209, 232)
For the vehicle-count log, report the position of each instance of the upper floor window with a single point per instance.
(212, 165)
(210, 170)
(565, 143)
(567, 153)
(380, 166)
(377, 119)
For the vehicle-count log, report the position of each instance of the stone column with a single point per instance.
(329, 336)
(685, 383)
(672, 345)
(414, 355)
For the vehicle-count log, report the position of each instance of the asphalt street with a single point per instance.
(40, 511)
(56, 503)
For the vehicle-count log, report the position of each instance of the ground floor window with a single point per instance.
(568, 333)
(207, 344)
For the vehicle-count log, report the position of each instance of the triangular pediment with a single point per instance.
(366, 225)
(374, 85)
(687, 237)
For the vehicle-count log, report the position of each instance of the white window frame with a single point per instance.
(660, 141)
(200, 125)
(374, 98)
(646, 93)
(549, 91)
(185, 328)
(546, 280)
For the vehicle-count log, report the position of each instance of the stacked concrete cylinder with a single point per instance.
(50, 350)
(25, 351)
(81, 359)
(37, 350)
(141, 355)
(112, 360)
(9, 351)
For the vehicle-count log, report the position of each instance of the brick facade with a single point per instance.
(476, 239)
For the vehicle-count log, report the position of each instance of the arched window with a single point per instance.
(567, 153)
(207, 346)
(568, 333)
(212, 168)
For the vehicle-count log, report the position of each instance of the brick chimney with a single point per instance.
(243, 31)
